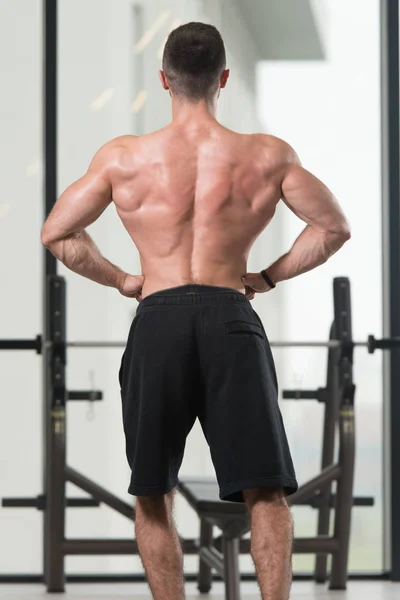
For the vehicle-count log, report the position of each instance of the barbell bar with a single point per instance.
(371, 344)
(329, 344)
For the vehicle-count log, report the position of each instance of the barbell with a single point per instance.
(371, 344)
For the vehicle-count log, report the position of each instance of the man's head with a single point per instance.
(194, 62)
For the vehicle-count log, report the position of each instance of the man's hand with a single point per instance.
(131, 286)
(254, 283)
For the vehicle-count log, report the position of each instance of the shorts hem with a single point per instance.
(158, 490)
(233, 492)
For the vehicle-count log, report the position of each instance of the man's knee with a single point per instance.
(272, 521)
(268, 506)
(155, 507)
(265, 497)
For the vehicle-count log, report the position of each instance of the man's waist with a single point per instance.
(192, 294)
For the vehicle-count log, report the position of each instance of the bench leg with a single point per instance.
(230, 549)
(204, 580)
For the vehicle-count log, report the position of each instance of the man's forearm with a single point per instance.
(311, 249)
(80, 254)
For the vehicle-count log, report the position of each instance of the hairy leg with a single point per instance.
(159, 546)
(271, 541)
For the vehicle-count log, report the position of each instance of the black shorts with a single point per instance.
(201, 351)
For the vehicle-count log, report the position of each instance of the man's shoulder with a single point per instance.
(272, 142)
(128, 142)
(260, 140)
(112, 147)
(121, 142)
(111, 155)
(276, 148)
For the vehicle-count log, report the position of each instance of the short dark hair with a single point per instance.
(194, 60)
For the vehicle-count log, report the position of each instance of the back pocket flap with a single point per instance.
(243, 327)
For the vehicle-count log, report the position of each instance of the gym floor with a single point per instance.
(365, 590)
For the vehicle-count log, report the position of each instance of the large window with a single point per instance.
(21, 216)
(329, 111)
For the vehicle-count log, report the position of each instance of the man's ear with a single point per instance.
(163, 80)
(224, 78)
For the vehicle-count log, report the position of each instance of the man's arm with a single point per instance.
(326, 231)
(327, 228)
(79, 206)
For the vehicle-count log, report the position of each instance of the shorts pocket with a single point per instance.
(233, 327)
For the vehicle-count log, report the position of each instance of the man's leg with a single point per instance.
(159, 546)
(271, 541)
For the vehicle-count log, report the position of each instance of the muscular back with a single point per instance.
(194, 199)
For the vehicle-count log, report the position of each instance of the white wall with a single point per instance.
(330, 112)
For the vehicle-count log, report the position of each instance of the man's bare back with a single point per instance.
(194, 197)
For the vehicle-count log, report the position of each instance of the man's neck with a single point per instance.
(185, 111)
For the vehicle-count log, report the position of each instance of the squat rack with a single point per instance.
(53, 502)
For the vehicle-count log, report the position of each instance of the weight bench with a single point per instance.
(234, 521)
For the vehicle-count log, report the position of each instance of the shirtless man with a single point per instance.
(194, 197)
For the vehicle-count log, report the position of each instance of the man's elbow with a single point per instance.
(46, 238)
(339, 235)
(344, 231)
